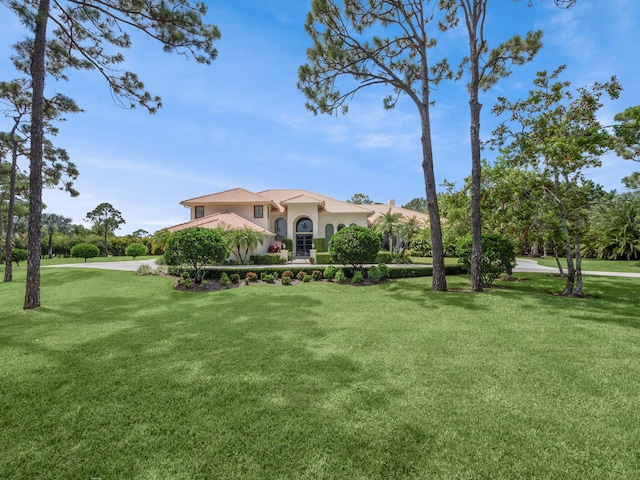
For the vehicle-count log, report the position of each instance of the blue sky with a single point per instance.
(241, 122)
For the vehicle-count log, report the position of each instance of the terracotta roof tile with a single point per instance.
(220, 220)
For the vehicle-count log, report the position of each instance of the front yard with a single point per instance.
(120, 376)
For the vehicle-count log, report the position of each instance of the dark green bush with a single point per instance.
(320, 244)
(307, 278)
(498, 256)
(224, 278)
(268, 278)
(136, 250)
(323, 258)
(354, 246)
(383, 256)
(374, 274)
(288, 243)
(384, 271)
(265, 259)
(357, 278)
(20, 255)
(234, 277)
(196, 247)
(85, 250)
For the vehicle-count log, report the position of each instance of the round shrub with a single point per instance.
(196, 247)
(287, 274)
(316, 275)
(330, 272)
(498, 256)
(340, 276)
(224, 278)
(234, 277)
(357, 278)
(306, 278)
(286, 280)
(354, 246)
(374, 274)
(136, 250)
(18, 255)
(251, 276)
(85, 250)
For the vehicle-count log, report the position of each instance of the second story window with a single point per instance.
(199, 213)
(258, 211)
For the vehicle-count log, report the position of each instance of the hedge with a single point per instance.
(265, 259)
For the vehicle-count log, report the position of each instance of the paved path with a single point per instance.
(531, 266)
(523, 265)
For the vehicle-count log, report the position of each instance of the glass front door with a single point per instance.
(304, 243)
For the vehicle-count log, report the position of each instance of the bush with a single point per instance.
(224, 278)
(316, 275)
(340, 276)
(145, 270)
(288, 243)
(357, 278)
(196, 247)
(274, 248)
(354, 246)
(251, 276)
(265, 259)
(85, 250)
(234, 277)
(301, 274)
(136, 250)
(268, 278)
(185, 279)
(20, 255)
(498, 256)
(323, 258)
(320, 244)
(286, 280)
(374, 274)
(307, 278)
(330, 272)
(383, 256)
(384, 271)
(160, 260)
(287, 274)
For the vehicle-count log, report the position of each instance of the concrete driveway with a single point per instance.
(126, 265)
(531, 266)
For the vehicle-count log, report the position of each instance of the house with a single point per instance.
(296, 214)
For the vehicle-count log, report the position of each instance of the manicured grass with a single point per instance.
(120, 376)
(429, 260)
(597, 265)
(69, 260)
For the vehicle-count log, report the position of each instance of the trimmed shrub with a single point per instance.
(307, 278)
(374, 274)
(287, 274)
(224, 278)
(357, 278)
(340, 276)
(323, 258)
(383, 256)
(330, 272)
(354, 246)
(316, 275)
(251, 276)
(320, 244)
(286, 280)
(274, 248)
(20, 255)
(136, 250)
(288, 243)
(84, 250)
(384, 271)
(268, 278)
(196, 247)
(160, 260)
(498, 256)
(234, 277)
(265, 259)
(301, 274)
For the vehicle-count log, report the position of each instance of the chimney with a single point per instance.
(392, 203)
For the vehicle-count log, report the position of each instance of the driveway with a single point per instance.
(531, 266)
(126, 265)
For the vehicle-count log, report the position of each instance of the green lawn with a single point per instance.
(429, 260)
(118, 376)
(596, 265)
(70, 260)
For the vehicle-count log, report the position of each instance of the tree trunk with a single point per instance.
(50, 252)
(475, 108)
(106, 245)
(577, 292)
(437, 247)
(32, 296)
(8, 245)
(571, 271)
(558, 263)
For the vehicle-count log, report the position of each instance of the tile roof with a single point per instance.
(235, 195)
(220, 220)
(380, 209)
(331, 205)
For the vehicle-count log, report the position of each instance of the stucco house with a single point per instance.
(296, 214)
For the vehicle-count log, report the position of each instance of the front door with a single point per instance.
(304, 243)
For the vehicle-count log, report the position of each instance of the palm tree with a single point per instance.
(388, 224)
(409, 228)
(159, 241)
(618, 225)
(243, 239)
(53, 222)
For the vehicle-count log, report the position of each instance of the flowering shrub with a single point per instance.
(316, 275)
(274, 248)
(287, 274)
(251, 276)
(300, 275)
(286, 280)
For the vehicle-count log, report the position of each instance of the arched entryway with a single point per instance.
(304, 236)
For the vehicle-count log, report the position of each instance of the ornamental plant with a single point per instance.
(357, 278)
(354, 246)
(136, 250)
(196, 247)
(498, 256)
(85, 250)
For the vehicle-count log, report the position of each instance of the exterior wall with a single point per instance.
(336, 219)
(242, 210)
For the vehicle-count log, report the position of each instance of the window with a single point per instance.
(199, 213)
(281, 228)
(304, 225)
(341, 226)
(328, 233)
(353, 225)
(258, 211)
